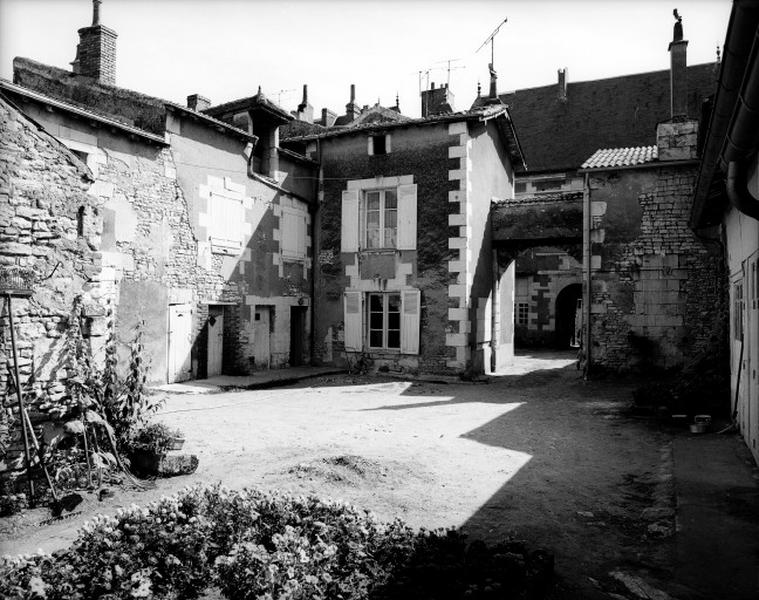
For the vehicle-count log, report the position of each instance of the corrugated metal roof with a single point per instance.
(621, 157)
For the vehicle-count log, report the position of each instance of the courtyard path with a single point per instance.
(536, 453)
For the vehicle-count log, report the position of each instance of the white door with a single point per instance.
(215, 342)
(262, 337)
(180, 342)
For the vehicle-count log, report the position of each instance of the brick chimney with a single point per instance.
(562, 89)
(437, 101)
(305, 110)
(351, 109)
(678, 79)
(96, 51)
(198, 102)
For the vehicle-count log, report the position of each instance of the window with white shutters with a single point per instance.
(227, 216)
(293, 233)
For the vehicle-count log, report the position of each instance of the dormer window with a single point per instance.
(379, 144)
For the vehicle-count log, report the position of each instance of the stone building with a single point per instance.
(405, 274)
(560, 126)
(726, 198)
(47, 231)
(204, 228)
(655, 286)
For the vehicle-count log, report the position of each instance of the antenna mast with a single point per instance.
(490, 39)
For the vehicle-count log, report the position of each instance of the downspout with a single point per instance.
(586, 292)
(495, 310)
(737, 190)
(315, 228)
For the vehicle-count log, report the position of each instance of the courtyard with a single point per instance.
(536, 454)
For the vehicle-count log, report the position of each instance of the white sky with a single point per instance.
(225, 49)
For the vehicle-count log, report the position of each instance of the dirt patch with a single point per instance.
(347, 470)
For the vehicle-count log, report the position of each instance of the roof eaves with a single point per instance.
(81, 113)
(209, 120)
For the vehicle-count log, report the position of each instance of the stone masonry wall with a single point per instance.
(47, 218)
(656, 289)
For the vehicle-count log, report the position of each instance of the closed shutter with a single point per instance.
(407, 217)
(349, 222)
(410, 311)
(293, 233)
(227, 217)
(353, 329)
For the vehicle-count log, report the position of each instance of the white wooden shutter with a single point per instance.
(293, 233)
(407, 217)
(349, 222)
(353, 328)
(227, 217)
(410, 311)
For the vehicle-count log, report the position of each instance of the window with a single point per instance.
(80, 155)
(226, 221)
(379, 144)
(376, 219)
(293, 233)
(523, 313)
(379, 219)
(520, 187)
(384, 319)
(548, 185)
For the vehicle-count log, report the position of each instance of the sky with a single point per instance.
(225, 49)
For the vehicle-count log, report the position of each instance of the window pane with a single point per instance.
(375, 321)
(394, 302)
(393, 339)
(373, 200)
(391, 200)
(375, 339)
(375, 302)
(373, 218)
(373, 238)
(394, 320)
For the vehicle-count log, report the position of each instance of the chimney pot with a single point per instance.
(353, 93)
(678, 74)
(562, 92)
(96, 51)
(96, 12)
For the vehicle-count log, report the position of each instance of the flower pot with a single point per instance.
(176, 443)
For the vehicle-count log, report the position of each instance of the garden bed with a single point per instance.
(251, 544)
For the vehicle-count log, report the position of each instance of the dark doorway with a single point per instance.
(297, 335)
(567, 304)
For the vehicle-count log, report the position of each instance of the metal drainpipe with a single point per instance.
(495, 309)
(587, 292)
(318, 185)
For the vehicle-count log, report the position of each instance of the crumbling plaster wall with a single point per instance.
(656, 286)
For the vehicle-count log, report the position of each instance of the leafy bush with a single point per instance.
(252, 544)
(156, 438)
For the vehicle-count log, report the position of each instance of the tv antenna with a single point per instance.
(449, 68)
(280, 93)
(490, 39)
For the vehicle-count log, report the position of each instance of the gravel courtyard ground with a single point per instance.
(537, 453)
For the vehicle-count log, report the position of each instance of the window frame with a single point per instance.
(519, 313)
(386, 329)
(364, 218)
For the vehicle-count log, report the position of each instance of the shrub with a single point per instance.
(253, 544)
(155, 438)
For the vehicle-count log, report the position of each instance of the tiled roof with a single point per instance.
(540, 199)
(259, 101)
(621, 157)
(559, 135)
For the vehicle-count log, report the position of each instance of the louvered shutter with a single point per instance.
(352, 321)
(410, 311)
(407, 217)
(349, 222)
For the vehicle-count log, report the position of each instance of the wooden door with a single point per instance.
(215, 341)
(297, 335)
(262, 326)
(180, 342)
